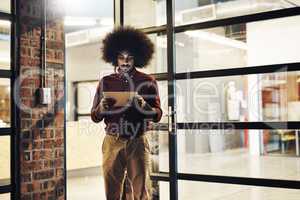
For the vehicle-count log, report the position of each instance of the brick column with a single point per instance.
(42, 127)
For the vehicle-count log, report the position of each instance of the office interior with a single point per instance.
(263, 97)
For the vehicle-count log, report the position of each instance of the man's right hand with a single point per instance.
(106, 104)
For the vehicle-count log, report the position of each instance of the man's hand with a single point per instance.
(139, 100)
(143, 106)
(106, 104)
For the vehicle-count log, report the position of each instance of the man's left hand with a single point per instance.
(146, 109)
(139, 100)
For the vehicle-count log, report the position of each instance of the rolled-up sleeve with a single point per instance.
(154, 100)
(96, 116)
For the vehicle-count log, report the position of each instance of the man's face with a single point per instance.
(125, 61)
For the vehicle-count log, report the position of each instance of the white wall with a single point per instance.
(4, 157)
(5, 5)
(273, 41)
(4, 54)
(84, 141)
(84, 63)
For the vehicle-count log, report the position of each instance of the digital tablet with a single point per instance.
(121, 97)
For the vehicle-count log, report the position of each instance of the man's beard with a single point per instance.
(125, 68)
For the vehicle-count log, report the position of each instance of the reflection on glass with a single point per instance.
(193, 11)
(4, 160)
(86, 22)
(281, 142)
(159, 139)
(242, 153)
(262, 97)
(160, 190)
(4, 44)
(5, 6)
(146, 13)
(4, 102)
(192, 190)
(158, 63)
(84, 159)
(5, 196)
(266, 42)
(159, 143)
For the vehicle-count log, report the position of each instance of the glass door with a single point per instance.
(232, 85)
(153, 22)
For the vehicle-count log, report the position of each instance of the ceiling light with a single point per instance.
(212, 37)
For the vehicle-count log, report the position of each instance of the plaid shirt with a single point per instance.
(128, 121)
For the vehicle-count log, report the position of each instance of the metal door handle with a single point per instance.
(170, 119)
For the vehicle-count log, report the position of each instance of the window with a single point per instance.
(5, 6)
(160, 190)
(258, 97)
(4, 44)
(145, 13)
(193, 11)
(159, 62)
(238, 153)
(190, 189)
(5, 160)
(7, 106)
(259, 43)
(5, 103)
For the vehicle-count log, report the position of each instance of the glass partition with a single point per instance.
(4, 160)
(193, 11)
(4, 44)
(197, 190)
(5, 6)
(258, 43)
(158, 63)
(258, 97)
(5, 103)
(5, 196)
(240, 153)
(146, 13)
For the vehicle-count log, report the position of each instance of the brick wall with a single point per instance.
(42, 127)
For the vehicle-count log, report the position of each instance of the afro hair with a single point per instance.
(127, 39)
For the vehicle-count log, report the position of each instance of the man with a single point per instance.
(125, 147)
